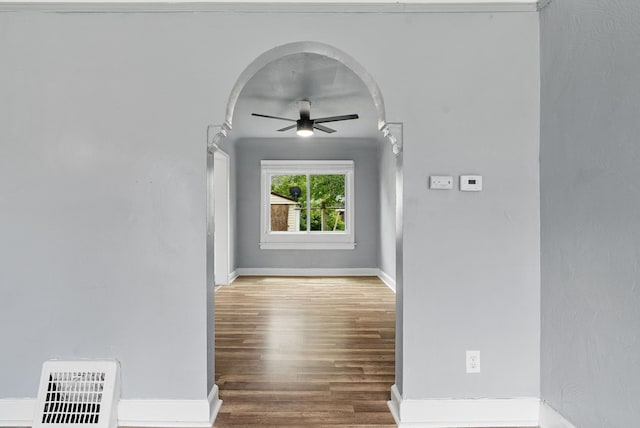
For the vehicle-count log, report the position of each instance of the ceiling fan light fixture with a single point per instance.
(304, 132)
(304, 128)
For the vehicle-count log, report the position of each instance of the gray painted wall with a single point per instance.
(364, 153)
(103, 181)
(471, 260)
(102, 195)
(590, 211)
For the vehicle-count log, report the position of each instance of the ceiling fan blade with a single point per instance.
(287, 128)
(324, 128)
(272, 117)
(335, 118)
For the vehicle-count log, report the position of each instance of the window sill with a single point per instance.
(307, 245)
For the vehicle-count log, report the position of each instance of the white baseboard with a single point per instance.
(307, 272)
(549, 418)
(228, 279)
(523, 412)
(394, 404)
(387, 279)
(384, 277)
(17, 412)
(133, 413)
(170, 413)
(233, 276)
(214, 404)
(448, 413)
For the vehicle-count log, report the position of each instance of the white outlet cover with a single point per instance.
(473, 361)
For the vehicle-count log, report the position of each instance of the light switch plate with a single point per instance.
(470, 183)
(441, 182)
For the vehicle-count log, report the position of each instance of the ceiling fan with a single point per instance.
(305, 125)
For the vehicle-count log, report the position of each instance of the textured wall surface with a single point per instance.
(103, 177)
(102, 202)
(471, 260)
(590, 211)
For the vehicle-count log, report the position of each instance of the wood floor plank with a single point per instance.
(306, 352)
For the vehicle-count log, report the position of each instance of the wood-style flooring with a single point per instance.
(305, 352)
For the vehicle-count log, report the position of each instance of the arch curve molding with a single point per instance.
(319, 49)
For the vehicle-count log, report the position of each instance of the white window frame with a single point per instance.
(306, 240)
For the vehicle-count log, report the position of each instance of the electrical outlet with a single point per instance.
(441, 182)
(473, 361)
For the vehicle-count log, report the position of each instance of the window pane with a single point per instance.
(327, 202)
(288, 200)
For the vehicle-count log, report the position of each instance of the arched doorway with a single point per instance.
(390, 133)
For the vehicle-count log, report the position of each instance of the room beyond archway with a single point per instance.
(389, 137)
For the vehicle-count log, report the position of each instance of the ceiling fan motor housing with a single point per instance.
(304, 123)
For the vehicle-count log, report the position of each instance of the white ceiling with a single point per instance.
(332, 89)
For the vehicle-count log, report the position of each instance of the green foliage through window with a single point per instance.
(325, 205)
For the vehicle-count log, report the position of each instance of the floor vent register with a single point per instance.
(78, 394)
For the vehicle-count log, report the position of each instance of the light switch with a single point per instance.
(470, 183)
(441, 182)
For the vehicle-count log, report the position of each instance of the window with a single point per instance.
(307, 205)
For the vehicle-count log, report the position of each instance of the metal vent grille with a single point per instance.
(77, 394)
(73, 398)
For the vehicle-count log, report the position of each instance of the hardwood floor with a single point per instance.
(305, 352)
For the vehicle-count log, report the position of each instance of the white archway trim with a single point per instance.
(306, 47)
(215, 135)
(392, 133)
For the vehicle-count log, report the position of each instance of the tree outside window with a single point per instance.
(324, 210)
